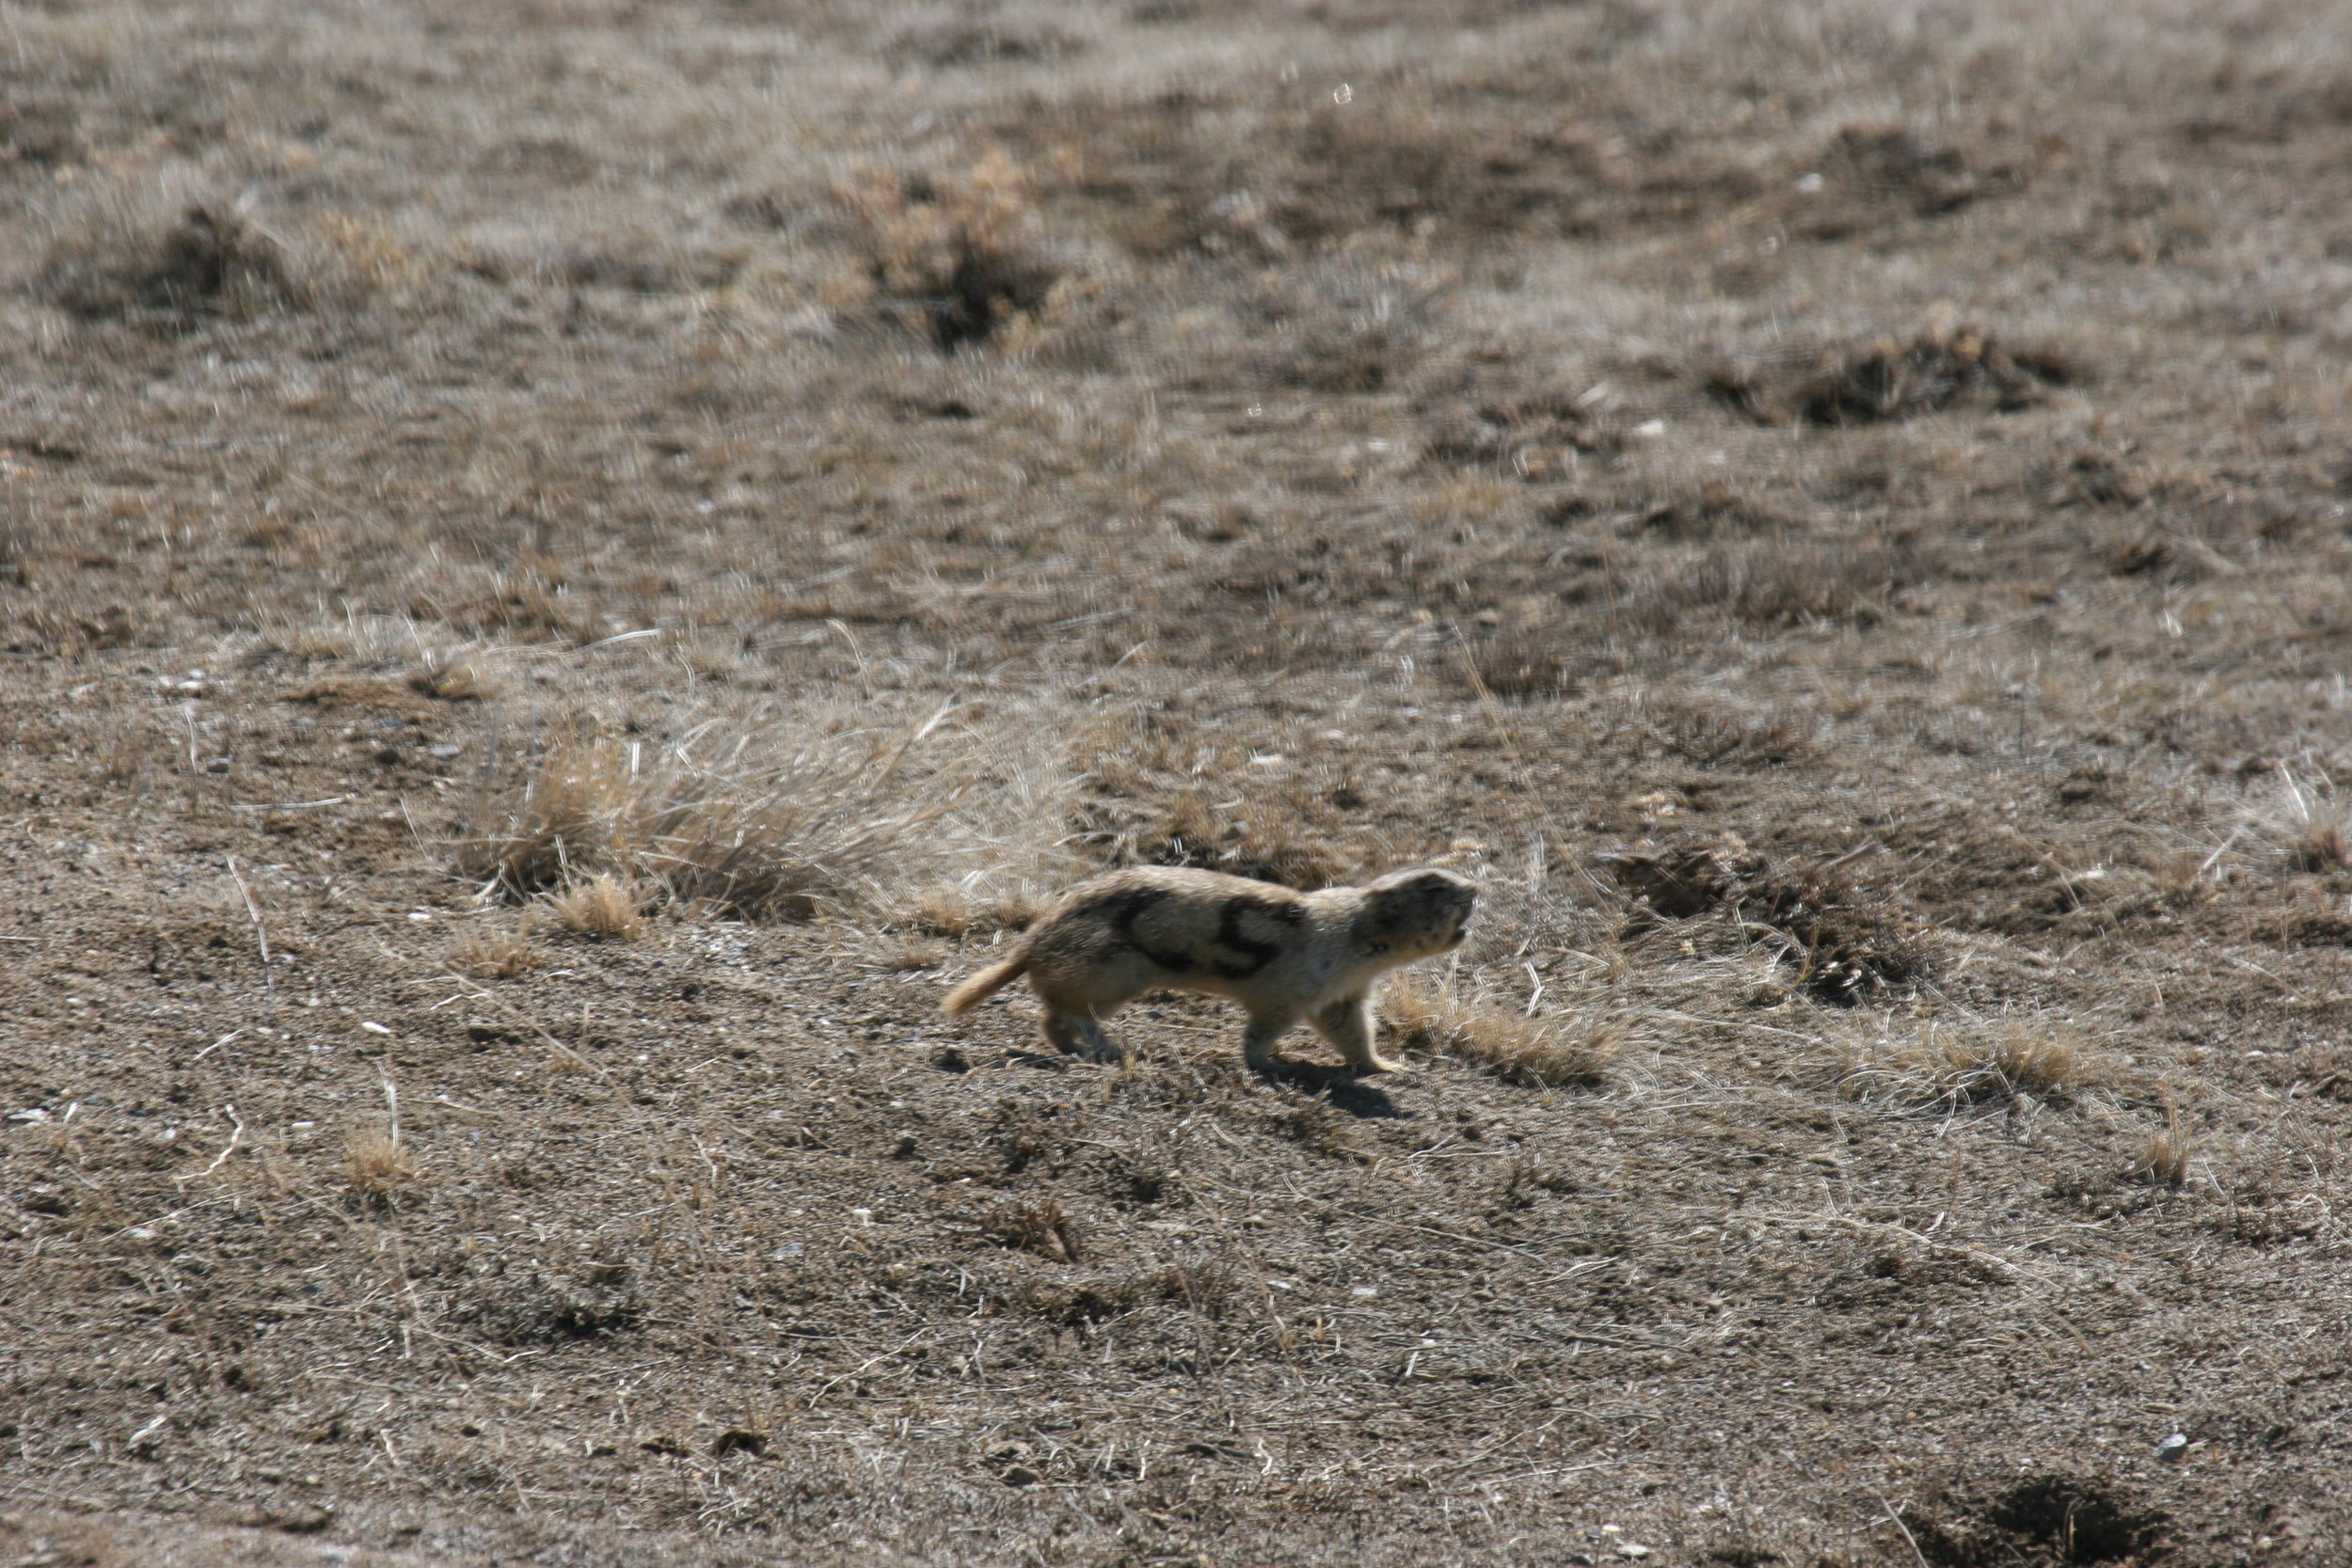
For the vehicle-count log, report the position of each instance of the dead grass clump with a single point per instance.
(211, 262)
(1786, 583)
(599, 906)
(2307, 823)
(1888, 380)
(953, 913)
(917, 954)
(761, 819)
(454, 677)
(2022, 1057)
(960, 254)
(1542, 1051)
(1040, 1227)
(1262, 840)
(376, 1164)
(365, 256)
(1966, 1062)
(1715, 735)
(494, 955)
(2163, 1158)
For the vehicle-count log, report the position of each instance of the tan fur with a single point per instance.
(1289, 957)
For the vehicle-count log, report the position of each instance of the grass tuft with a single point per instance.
(953, 913)
(210, 263)
(763, 820)
(1042, 1226)
(960, 253)
(2307, 821)
(1547, 1052)
(601, 906)
(376, 1164)
(2163, 1158)
(494, 955)
(455, 677)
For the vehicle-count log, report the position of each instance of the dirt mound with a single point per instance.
(1844, 941)
(2045, 1521)
(1889, 379)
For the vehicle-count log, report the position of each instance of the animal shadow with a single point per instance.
(1341, 1088)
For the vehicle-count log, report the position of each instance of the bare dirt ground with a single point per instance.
(566, 568)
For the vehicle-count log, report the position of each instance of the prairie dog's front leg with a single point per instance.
(1347, 1023)
(1257, 1041)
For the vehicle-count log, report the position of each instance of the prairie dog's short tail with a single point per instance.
(987, 982)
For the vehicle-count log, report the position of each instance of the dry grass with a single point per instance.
(1964, 1061)
(2163, 1160)
(2304, 818)
(959, 255)
(378, 1164)
(764, 818)
(494, 955)
(601, 906)
(1543, 1051)
(956, 913)
(918, 952)
(455, 677)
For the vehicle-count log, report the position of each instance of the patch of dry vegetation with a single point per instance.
(376, 1164)
(1943, 368)
(2163, 1160)
(601, 906)
(959, 255)
(1546, 1051)
(1957, 1061)
(494, 955)
(765, 817)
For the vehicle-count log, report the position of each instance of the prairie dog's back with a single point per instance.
(1190, 925)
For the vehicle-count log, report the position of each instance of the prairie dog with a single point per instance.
(1286, 956)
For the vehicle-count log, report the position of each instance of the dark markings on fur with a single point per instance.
(1123, 909)
(1260, 953)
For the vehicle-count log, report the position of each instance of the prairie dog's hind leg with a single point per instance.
(1257, 1040)
(1348, 1025)
(1078, 1034)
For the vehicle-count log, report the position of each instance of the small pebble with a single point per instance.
(2173, 1448)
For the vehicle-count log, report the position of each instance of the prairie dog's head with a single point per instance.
(1423, 910)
